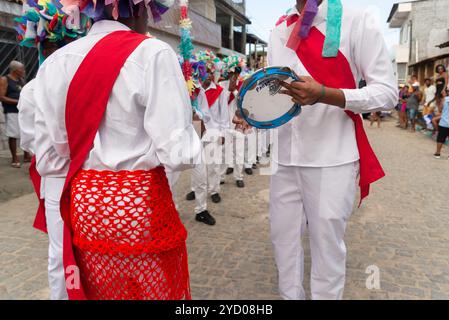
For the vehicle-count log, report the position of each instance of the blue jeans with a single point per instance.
(412, 114)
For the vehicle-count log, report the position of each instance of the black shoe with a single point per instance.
(240, 184)
(206, 218)
(249, 171)
(437, 156)
(222, 182)
(229, 171)
(254, 166)
(190, 196)
(215, 198)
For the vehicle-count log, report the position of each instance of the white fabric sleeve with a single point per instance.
(168, 115)
(373, 63)
(26, 108)
(204, 107)
(51, 136)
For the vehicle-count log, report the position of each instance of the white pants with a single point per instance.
(205, 177)
(56, 278)
(323, 198)
(250, 149)
(173, 177)
(234, 155)
(263, 140)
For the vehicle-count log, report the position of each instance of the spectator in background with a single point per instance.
(442, 83)
(443, 128)
(442, 80)
(402, 111)
(376, 117)
(413, 83)
(439, 104)
(413, 106)
(10, 87)
(429, 99)
(429, 93)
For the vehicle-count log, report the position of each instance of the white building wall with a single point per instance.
(430, 28)
(205, 7)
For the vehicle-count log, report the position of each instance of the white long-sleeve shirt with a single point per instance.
(232, 107)
(323, 135)
(148, 120)
(218, 112)
(209, 121)
(27, 107)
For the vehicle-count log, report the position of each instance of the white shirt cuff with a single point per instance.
(354, 102)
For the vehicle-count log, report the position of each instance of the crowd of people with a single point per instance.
(228, 145)
(427, 107)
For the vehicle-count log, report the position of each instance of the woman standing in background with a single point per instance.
(442, 80)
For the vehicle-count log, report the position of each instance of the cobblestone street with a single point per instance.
(403, 229)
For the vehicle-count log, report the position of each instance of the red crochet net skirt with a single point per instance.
(129, 241)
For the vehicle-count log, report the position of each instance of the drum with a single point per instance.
(260, 102)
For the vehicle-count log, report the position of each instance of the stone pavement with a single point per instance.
(402, 229)
(13, 182)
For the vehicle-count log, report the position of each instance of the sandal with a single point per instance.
(16, 165)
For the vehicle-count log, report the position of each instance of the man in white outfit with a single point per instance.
(139, 131)
(205, 177)
(238, 140)
(201, 172)
(319, 151)
(51, 189)
(234, 159)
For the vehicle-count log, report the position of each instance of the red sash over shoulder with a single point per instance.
(85, 108)
(40, 222)
(232, 95)
(337, 73)
(213, 95)
(135, 247)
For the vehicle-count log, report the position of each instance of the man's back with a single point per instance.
(136, 130)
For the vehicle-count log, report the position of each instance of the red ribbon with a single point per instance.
(213, 95)
(336, 73)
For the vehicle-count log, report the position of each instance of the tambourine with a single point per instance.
(260, 102)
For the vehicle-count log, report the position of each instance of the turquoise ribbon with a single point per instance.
(333, 29)
(40, 54)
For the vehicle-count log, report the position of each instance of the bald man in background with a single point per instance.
(10, 87)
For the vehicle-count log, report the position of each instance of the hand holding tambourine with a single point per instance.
(240, 124)
(263, 102)
(265, 99)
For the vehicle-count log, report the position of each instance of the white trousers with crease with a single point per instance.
(250, 149)
(323, 198)
(205, 177)
(56, 278)
(234, 155)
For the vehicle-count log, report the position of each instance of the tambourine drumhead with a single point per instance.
(260, 102)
